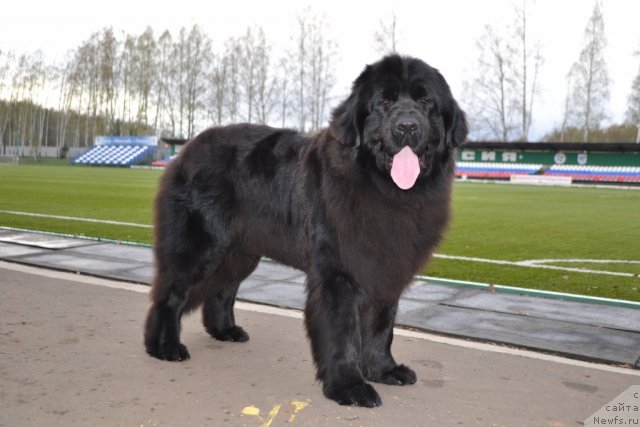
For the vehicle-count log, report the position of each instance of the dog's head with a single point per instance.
(402, 113)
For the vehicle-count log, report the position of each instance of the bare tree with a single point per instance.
(300, 58)
(145, 77)
(526, 61)
(74, 93)
(590, 93)
(386, 37)
(566, 116)
(633, 103)
(189, 57)
(164, 117)
(27, 84)
(313, 62)
(108, 78)
(219, 79)
(129, 67)
(249, 50)
(88, 99)
(266, 81)
(284, 89)
(6, 62)
(504, 85)
(321, 78)
(491, 93)
(233, 60)
(65, 98)
(199, 57)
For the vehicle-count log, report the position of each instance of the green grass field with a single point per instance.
(574, 227)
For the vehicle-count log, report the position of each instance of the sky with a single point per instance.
(443, 33)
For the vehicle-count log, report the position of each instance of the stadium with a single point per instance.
(566, 221)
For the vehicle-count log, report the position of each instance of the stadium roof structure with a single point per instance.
(174, 141)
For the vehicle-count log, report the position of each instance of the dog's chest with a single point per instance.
(384, 244)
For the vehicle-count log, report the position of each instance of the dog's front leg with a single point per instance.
(378, 364)
(333, 325)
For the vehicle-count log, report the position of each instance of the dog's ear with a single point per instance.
(346, 122)
(455, 124)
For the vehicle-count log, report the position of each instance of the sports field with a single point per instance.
(576, 240)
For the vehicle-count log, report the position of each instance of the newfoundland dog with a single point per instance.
(359, 207)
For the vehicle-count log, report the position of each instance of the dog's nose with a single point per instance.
(407, 125)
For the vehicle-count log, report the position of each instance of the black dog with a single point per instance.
(359, 207)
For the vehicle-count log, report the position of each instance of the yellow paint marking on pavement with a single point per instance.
(297, 407)
(253, 411)
(272, 415)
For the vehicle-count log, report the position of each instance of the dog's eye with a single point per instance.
(386, 103)
(425, 101)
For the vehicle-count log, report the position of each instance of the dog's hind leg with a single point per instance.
(220, 297)
(162, 328)
(186, 250)
(172, 293)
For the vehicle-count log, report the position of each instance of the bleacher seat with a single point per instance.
(623, 174)
(605, 174)
(115, 155)
(495, 170)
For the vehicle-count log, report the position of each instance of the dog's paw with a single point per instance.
(398, 375)
(233, 334)
(170, 352)
(359, 394)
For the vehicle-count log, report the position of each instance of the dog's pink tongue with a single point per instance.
(405, 168)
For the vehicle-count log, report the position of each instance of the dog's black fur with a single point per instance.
(325, 205)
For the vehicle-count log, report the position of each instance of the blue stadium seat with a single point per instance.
(625, 174)
(115, 155)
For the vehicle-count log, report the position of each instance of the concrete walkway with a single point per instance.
(71, 354)
(585, 331)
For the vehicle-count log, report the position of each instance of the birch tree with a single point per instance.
(284, 90)
(164, 117)
(566, 116)
(491, 93)
(128, 65)
(257, 82)
(197, 60)
(633, 103)
(249, 49)
(232, 67)
(108, 80)
(504, 86)
(590, 93)
(527, 60)
(145, 78)
(67, 88)
(300, 60)
(6, 60)
(218, 84)
(266, 82)
(386, 37)
(314, 70)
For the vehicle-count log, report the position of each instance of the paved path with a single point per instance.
(71, 354)
(584, 331)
